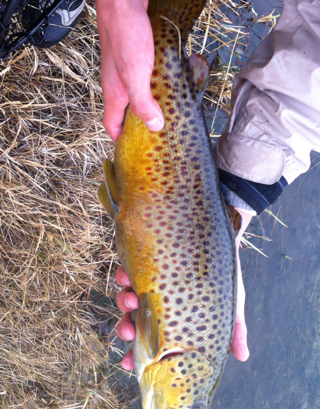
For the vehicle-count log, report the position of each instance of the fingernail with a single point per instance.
(125, 282)
(155, 124)
(125, 364)
(245, 353)
(128, 303)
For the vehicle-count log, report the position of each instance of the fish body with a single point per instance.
(173, 235)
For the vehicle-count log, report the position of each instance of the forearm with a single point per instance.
(275, 120)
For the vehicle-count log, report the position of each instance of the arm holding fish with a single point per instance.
(127, 59)
(274, 123)
(127, 301)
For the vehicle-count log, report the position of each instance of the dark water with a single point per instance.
(282, 307)
(283, 292)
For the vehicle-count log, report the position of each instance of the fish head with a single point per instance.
(178, 381)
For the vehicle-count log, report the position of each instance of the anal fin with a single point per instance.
(104, 199)
(107, 192)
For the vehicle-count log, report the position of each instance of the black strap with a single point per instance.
(257, 195)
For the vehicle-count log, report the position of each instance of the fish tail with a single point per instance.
(182, 13)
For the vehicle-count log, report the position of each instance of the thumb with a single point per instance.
(144, 106)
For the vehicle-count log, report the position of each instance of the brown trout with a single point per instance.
(173, 235)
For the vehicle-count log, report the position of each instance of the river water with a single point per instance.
(283, 292)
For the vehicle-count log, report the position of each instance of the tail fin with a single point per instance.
(181, 12)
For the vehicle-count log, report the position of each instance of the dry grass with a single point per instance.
(56, 243)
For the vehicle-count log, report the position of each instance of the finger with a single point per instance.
(127, 361)
(125, 328)
(122, 278)
(245, 221)
(239, 345)
(127, 301)
(115, 100)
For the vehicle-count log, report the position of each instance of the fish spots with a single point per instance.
(173, 323)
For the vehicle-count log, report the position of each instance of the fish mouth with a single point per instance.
(171, 352)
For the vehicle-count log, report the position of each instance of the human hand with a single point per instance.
(127, 60)
(127, 301)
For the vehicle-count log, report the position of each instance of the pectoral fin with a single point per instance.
(147, 324)
(107, 191)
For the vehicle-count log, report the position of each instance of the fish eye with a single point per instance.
(199, 405)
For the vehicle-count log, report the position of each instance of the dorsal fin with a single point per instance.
(235, 218)
(183, 13)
